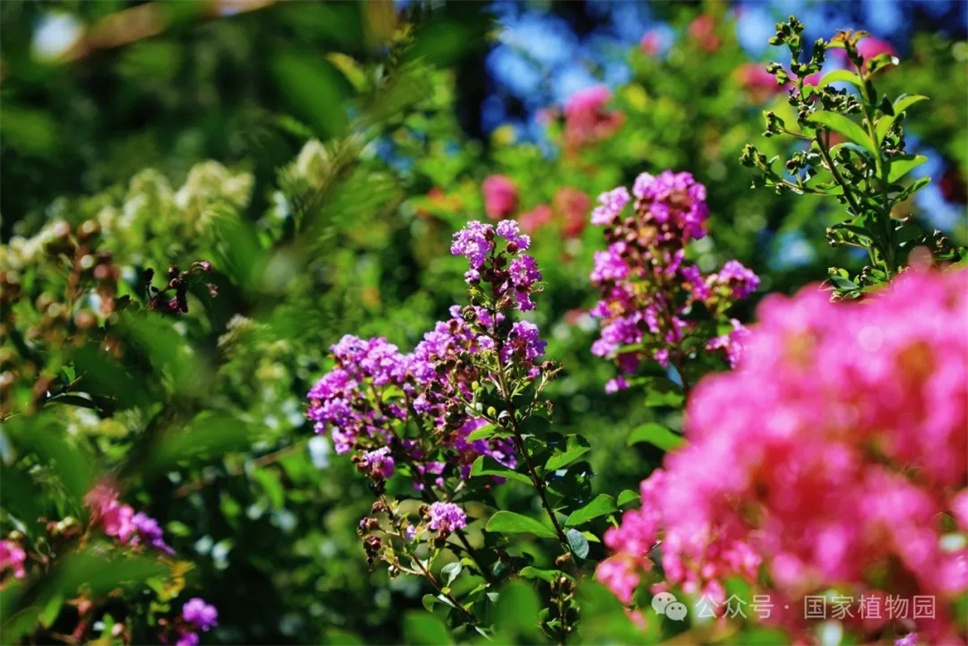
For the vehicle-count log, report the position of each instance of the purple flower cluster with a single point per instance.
(379, 463)
(399, 408)
(610, 206)
(649, 291)
(196, 615)
(149, 532)
(414, 412)
(122, 522)
(676, 203)
(511, 279)
(446, 517)
(203, 615)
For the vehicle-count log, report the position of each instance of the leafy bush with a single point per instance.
(189, 355)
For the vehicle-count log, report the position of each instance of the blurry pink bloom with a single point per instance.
(651, 42)
(572, 207)
(536, 218)
(586, 119)
(959, 508)
(500, 196)
(834, 453)
(113, 517)
(12, 557)
(703, 29)
(754, 78)
(121, 522)
(868, 48)
(871, 46)
(620, 575)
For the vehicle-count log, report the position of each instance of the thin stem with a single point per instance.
(536, 481)
(848, 194)
(846, 186)
(398, 527)
(471, 552)
(881, 170)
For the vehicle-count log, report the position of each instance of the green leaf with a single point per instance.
(482, 433)
(576, 447)
(902, 165)
(905, 101)
(421, 629)
(516, 612)
(315, 90)
(508, 522)
(205, 438)
(578, 543)
(844, 284)
(269, 479)
(529, 572)
(602, 504)
(881, 61)
(67, 461)
(450, 572)
(338, 637)
(51, 610)
(662, 392)
(429, 601)
(102, 573)
(846, 127)
(917, 185)
(657, 435)
(626, 497)
(765, 637)
(604, 619)
(839, 76)
(487, 466)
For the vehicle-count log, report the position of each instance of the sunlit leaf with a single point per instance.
(845, 126)
(657, 435)
(601, 505)
(508, 522)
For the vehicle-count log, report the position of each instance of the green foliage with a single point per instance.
(865, 172)
(341, 174)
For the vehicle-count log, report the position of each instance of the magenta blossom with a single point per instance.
(446, 517)
(500, 196)
(650, 290)
(850, 479)
(12, 558)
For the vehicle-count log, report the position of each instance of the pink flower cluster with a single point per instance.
(121, 522)
(12, 558)
(412, 411)
(648, 289)
(500, 197)
(567, 213)
(835, 457)
(587, 120)
(759, 83)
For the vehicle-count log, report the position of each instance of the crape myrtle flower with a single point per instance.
(649, 290)
(196, 615)
(500, 196)
(834, 456)
(446, 518)
(121, 522)
(12, 557)
(415, 409)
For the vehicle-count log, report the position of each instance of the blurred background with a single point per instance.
(321, 155)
